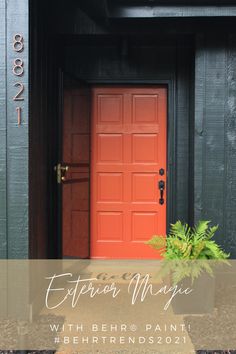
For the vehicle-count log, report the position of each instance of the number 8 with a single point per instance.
(18, 43)
(18, 69)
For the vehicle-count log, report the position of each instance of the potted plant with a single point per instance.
(190, 253)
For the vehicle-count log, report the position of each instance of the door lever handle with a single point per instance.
(161, 186)
(61, 171)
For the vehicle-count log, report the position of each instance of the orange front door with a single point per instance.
(128, 152)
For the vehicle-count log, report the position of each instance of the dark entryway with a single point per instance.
(72, 64)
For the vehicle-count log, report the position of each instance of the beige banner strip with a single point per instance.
(85, 306)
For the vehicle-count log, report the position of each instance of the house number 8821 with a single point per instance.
(18, 70)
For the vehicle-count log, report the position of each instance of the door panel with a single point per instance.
(75, 188)
(128, 149)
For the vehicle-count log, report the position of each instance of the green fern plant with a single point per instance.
(189, 249)
(188, 243)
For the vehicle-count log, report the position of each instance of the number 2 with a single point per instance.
(21, 89)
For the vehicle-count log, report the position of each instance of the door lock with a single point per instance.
(161, 171)
(161, 186)
(61, 172)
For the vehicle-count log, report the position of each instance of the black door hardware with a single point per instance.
(161, 171)
(161, 186)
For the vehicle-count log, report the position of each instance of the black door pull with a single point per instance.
(161, 186)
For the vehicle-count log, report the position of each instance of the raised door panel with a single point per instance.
(75, 189)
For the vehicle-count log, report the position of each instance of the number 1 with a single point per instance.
(18, 109)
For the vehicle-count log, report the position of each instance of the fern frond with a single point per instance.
(199, 231)
(213, 250)
(212, 230)
(187, 252)
(197, 249)
(196, 270)
(178, 230)
(157, 242)
(207, 267)
(181, 246)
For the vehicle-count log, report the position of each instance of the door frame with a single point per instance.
(171, 144)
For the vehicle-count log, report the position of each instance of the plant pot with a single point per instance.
(200, 301)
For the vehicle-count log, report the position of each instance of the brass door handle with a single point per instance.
(61, 172)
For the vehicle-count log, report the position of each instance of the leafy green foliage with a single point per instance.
(187, 250)
(188, 243)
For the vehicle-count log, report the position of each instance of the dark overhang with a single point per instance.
(144, 9)
(160, 11)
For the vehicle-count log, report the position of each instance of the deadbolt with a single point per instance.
(161, 171)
